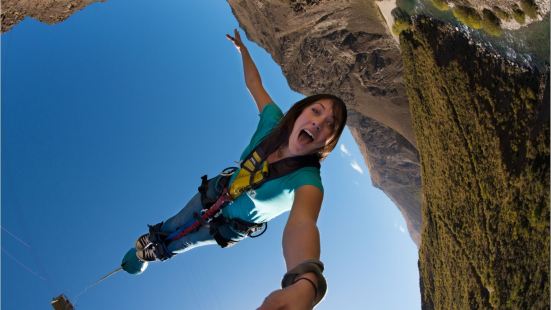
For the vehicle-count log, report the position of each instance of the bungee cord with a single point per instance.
(96, 283)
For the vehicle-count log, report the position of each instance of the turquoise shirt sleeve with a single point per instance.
(306, 176)
(269, 118)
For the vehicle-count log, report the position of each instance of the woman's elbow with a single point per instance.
(253, 82)
(298, 226)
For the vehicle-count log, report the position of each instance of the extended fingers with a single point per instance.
(236, 36)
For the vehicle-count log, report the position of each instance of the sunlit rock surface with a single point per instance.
(345, 48)
(482, 128)
(46, 11)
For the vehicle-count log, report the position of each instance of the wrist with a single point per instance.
(307, 269)
(308, 288)
(243, 50)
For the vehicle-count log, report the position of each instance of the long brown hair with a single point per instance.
(279, 136)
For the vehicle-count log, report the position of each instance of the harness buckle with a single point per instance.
(210, 218)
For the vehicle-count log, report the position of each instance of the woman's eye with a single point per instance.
(315, 110)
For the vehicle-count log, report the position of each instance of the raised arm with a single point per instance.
(300, 242)
(252, 77)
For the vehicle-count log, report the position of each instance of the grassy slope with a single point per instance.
(482, 128)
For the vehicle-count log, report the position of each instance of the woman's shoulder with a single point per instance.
(271, 110)
(306, 176)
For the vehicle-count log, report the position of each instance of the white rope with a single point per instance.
(96, 283)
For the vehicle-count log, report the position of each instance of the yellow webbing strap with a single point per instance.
(252, 172)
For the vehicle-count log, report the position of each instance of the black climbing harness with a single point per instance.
(255, 171)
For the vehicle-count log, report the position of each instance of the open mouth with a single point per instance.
(305, 136)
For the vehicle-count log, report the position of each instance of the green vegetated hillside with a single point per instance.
(482, 128)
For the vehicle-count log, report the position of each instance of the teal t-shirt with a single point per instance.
(275, 196)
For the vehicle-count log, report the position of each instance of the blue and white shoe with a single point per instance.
(154, 252)
(143, 242)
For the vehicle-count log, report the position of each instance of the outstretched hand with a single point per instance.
(236, 40)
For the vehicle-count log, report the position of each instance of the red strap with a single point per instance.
(224, 197)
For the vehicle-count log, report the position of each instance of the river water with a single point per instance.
(529, 44)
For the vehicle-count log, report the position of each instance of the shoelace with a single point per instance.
(149, 254)
(144, 241)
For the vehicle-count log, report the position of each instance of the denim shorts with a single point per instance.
(204, 234)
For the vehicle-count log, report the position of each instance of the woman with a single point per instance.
(297, 141)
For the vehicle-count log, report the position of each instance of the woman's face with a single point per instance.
(313, 128)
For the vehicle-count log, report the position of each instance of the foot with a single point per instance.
(147, 254)
(154, 252)
(143, 242)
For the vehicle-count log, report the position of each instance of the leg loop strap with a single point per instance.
(203, 188)
(158, 240)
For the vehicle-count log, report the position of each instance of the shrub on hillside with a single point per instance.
(518, 14)
(467, 16)
(503, 15)
(530, 8)
(491, 23)
(402, 20)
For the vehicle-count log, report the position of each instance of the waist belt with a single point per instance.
(213, 207)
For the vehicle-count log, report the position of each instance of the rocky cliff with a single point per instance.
(345, 48)
(46, 11)
(482, 127)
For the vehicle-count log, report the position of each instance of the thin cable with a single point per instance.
(15, 237)
(22, 265)
(16, 208)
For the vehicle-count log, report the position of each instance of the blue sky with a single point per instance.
(108, 121)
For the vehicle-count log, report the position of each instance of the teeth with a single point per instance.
(309, 133)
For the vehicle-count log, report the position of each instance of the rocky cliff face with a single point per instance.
(482, 127)
(345, 48)
(46, 11)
